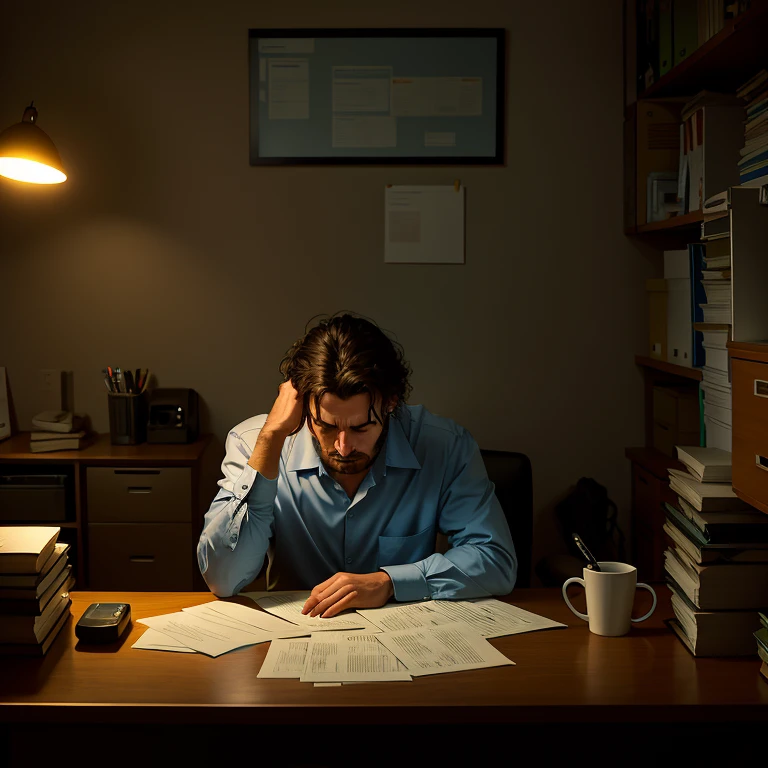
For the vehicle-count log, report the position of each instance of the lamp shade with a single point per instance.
(28, 154)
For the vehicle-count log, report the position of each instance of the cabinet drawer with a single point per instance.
(750, 429)
(750, 467)
(750, 401)
(139, 495)
(140, 557)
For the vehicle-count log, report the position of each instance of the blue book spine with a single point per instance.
(756, 174)
(698, 296)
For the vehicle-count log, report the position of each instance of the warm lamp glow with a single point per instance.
(28, 170)
(28, 154)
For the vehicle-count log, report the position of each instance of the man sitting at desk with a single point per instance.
(344, 487)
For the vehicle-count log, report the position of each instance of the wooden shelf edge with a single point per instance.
(653, 461)
(676, 370)
(672, 223)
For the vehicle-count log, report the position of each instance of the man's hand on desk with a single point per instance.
(349, 590)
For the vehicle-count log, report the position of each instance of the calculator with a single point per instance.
(103, 622)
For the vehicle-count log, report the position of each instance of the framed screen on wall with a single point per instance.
(394, 96)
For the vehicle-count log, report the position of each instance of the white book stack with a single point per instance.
(716, 332)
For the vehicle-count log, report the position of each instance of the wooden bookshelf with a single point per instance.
(675, 370)
(724, 62)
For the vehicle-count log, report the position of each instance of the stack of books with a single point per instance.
(57, 431)
(762, 644)
(35, 580)
(753, 166)
(717, 561)
(713, 331)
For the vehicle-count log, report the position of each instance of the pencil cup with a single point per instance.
(127, 418)
(610, 596)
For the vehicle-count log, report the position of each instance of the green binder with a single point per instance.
(685, 29)
(665, 36)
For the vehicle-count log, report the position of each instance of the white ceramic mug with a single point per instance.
(610, 596)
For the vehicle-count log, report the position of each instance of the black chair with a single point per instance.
(511, 473)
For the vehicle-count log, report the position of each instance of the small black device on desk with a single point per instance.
(173, 416)
(103, 622)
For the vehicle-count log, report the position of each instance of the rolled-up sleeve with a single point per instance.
(239, 523)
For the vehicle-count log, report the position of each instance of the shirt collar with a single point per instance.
(397, 450)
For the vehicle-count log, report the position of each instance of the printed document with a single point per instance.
(285, 658)
(447, 648)
(494, 618)
(488, 617)
(209, 636)
(350, 657)
(424, 224)
(152, 640)
(288, 605)
(244, 617)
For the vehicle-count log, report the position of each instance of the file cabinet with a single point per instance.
(139, 528)
(749, 378)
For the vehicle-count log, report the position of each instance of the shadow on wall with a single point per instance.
(587, 510)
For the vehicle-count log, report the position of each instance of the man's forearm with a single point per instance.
(265, 458)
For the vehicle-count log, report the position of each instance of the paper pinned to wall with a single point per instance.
(424, 225)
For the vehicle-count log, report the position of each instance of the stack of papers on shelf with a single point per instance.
(396, 642)
(707, 465)
(705, 497)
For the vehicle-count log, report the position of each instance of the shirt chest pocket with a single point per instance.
(401, 550)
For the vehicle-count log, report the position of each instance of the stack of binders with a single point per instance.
(35, 580)
(711, 277)
(717, 561)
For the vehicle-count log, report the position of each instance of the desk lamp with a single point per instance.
(28, 154)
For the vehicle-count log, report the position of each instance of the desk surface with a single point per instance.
(561, 675)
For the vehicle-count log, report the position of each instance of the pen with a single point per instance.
(591, 562)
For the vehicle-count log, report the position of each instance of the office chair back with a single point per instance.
(512, 475)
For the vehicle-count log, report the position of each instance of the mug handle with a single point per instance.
(577, 580)
(653, 607)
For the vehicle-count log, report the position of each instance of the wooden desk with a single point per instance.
(564, 677)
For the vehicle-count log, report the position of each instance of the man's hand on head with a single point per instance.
(349, 590)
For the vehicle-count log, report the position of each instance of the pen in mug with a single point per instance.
(591, 562)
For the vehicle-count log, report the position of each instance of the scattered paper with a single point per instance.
(350, 657)
(447, 648)
(494, 618)
(285, 659)
(201, 634)
(288, 605)
(487, 616)
(243, 617)
(152, 640)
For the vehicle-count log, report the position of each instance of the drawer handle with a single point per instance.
(761, 388)
(139, 489)
(142, 558)
(761, 462)
(137, 471)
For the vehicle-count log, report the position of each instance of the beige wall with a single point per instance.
(166, 249)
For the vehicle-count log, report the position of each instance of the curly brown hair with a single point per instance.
(346, 355)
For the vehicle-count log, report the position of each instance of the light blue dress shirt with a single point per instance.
(429, 477)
